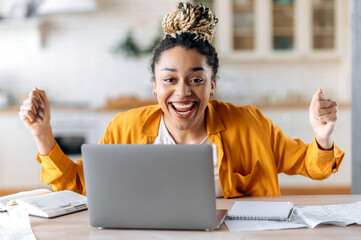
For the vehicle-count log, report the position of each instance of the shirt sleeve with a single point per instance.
(292, 156)
(61, 172)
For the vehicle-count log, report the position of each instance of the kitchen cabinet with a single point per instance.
(323, 24)
(18, 166)
(104, 119)
(279, 29)
(243, 25)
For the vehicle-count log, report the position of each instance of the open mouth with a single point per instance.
(184, 109)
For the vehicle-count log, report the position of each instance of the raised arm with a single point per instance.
(35, 114)
(319, 159)
(56, 168)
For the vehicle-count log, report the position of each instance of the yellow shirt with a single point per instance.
(251, 150)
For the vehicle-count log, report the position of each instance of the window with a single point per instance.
(283, 24)
(243, 24)
(323, 32)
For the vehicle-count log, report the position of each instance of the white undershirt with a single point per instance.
(165, 138)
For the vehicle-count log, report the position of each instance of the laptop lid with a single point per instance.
(150, 186)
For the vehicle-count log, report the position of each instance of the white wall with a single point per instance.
(288, 82)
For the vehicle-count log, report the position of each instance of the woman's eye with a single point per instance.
(168, 79)
(197, 80)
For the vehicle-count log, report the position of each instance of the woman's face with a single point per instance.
(183, 85)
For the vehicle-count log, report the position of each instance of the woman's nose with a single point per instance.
(182, 89)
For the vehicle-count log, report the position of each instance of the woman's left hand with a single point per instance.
(323, 116)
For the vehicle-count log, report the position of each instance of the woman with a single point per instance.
(251, 151)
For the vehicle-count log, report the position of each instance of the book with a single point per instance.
(45, 203)
(260, 210)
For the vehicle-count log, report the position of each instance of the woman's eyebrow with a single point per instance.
(197, 69)
(169, 69)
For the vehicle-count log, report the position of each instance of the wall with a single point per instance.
(279, 83)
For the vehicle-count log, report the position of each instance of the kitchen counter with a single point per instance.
(16, 109)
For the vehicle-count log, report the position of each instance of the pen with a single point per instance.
(290, 215)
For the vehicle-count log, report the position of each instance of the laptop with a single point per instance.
(151, 186)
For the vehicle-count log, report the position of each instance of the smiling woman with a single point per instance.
(249, 150)
(183, 84)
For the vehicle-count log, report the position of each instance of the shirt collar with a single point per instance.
(151, 124)
(214, 122)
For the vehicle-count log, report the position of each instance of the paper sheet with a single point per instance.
(336, 214)
(305, 216)
(15, 225)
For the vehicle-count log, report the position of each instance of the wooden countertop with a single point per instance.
(76, 225)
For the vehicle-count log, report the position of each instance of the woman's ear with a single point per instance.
(213, 86)
(154, 86)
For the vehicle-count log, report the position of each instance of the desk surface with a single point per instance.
(76, 225)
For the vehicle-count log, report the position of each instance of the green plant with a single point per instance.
(130, 48)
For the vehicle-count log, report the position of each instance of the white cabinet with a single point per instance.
(281, 29)
(104, 119)
(18, 165)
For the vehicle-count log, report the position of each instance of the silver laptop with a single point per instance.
(151, 186)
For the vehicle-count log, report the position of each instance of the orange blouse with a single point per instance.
(251, 150)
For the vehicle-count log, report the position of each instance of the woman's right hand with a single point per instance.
(35, 112)
(35, 115)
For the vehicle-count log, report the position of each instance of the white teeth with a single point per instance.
(178, 105)
(183, 113)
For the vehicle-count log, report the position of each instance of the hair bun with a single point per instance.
(188, 18)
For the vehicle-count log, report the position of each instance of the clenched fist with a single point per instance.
(323, 116)
(35, 114)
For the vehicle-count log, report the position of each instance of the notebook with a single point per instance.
(44, 203)
(150, 186)
(260, 210)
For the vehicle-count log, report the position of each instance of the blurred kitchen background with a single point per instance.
(92, 57)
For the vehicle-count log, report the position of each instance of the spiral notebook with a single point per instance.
(260, 210)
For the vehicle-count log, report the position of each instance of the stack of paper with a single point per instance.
(302, 216)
